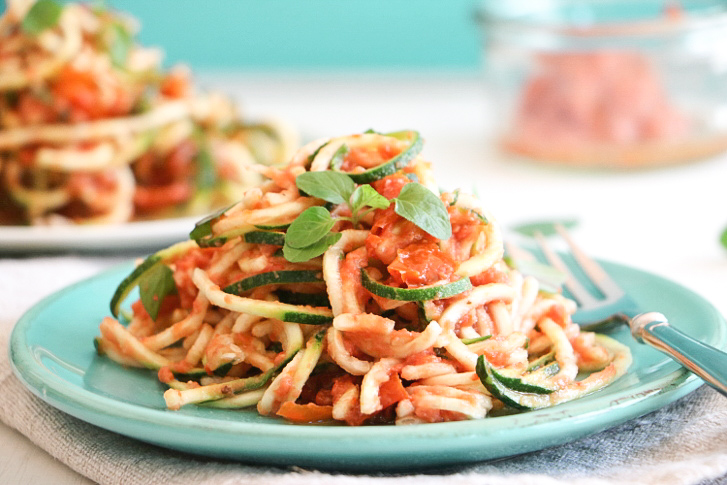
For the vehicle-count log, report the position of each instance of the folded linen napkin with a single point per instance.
(683, 443)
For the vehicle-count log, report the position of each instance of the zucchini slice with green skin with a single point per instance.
(541, 361)
(307, 315)
(275, 227)
(131, 281)
(524, 384)
(258, 237)
(203, 228)
(311, 355)
(323, 158)
(469, 341)
(274, 278)
(191, 374)
(423, 293)
(511, 397)
(395, 164)
(491, 379)
(309, 299)
(223, 395)
(211, 241)
(273, 238)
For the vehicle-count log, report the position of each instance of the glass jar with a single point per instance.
(614, 83)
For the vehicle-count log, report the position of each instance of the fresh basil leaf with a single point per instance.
(301, 255)
(419, 205)
(206, 177)
(309, 227)
(546, 228)
(365, 195)
(43, 15)
(332, 187)
(723, 238)
(154, 286)
(338, 157)
(121, 44)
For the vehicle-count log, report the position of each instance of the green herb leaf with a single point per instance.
(332, 187)
(723, 238)
(154, 286)
(339, 156)
(546, 228)
(309, 227)
(121, 43)
(301, 255)
(43, 15)
(419, 205)
(365, 195)
(206, 177)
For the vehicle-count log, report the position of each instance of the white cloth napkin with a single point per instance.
(683, 443)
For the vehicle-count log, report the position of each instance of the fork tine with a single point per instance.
(585, 299)
(598, 276)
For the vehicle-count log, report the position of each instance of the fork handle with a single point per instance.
(707, 362)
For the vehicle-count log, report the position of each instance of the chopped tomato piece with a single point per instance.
(305, 413)
(176, 84)
(390, 186)
(421, 264)
(340, 386)
(490, 275)
(80, 93)
(392, 391)
(390, 233)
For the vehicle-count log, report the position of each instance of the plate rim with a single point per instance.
(97, 237)
(40, 380)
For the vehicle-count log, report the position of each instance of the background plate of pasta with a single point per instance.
(94, 131)
(347, 313)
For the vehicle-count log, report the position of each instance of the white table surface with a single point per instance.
(666, 221)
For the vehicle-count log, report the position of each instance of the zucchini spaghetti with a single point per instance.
(347, 288)
(92, 130)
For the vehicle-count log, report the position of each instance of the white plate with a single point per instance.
(132, 235)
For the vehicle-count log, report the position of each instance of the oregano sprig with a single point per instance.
(309, 235)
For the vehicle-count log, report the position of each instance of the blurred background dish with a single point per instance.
(93, 130)
(610, 83)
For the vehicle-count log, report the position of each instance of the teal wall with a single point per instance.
(309, 35)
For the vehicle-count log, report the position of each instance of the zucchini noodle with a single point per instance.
(93, 131)
(315, 341)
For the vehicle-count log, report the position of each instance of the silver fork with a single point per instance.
(651, 328)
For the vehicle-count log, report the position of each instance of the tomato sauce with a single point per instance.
(183, 267)
(369, 157)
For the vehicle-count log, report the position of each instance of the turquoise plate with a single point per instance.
(52, 351)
